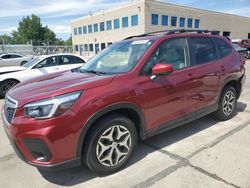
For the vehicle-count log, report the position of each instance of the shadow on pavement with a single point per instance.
(77, 175)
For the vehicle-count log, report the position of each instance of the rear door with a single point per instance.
(207, 72)
(67, 62)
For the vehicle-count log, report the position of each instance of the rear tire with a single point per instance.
(110, 144)
(227, 104)
(6, 86)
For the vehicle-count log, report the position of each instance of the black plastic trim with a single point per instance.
(106, 110)
(36, 147)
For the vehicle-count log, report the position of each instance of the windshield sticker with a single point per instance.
(140, 42)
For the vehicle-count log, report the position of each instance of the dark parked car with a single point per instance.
(242, 51)
(132, 90)
(244, 43)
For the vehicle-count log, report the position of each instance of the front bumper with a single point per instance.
(47, 144)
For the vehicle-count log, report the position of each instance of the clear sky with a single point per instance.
(57, 14)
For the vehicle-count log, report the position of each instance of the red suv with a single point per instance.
(132, 90)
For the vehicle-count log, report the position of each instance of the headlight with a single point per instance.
(51, 107)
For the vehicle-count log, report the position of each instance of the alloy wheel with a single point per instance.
(228, 104)
(113, 145)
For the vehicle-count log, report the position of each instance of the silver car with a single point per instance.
(13, 59)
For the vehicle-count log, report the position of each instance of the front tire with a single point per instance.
(227, 104)
(6, 86)
(110, 144)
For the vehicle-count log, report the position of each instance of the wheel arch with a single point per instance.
(132, 111)
(233, 81)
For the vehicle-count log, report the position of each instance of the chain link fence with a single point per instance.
(34, 50)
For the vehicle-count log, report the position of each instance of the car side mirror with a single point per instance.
(161, 69)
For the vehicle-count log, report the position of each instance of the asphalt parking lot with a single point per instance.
(204, 153)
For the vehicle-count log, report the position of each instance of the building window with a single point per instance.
(96, 27)
(102, 26)
(164, 20)
(134, 20)
(103, 46)
(86, 47)
(190, 22)
(97, 48)
(109, 25)
(173, 21)
(90, 28)
(76, 48)
(84, 29)
(79, 30)
(116, 23)
(91, 47)
(125, 22)
(197, 23)
(154, 19)
(75, 31)
(182, 22)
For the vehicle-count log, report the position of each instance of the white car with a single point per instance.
(38, 66)
(13, 59)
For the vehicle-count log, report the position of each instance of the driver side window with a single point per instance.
(48, 62)
(173, 52)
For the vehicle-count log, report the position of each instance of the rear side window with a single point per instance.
(6, 56)
(223, 47)
(203, 50)
(15, 56)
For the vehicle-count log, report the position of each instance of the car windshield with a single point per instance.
(31, 62)
(118, 58)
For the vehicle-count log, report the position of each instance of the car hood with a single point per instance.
(4, 70)
(56, 84)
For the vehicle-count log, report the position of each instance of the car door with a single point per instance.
(67, 62)
(169, 99)
(46, 66)
(206, 73)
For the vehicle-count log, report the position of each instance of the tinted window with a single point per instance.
(174, 52)
(48, 62)
(15, 56)
(102, 26)
(190, 23)
(164, 20)
(80, 30)
(223, 47)
(154, 19)
(6, 56)
(116, 23)
(182, 22)
(67, 60)
(91, 47)
(203, 50)
(197, 23)
(84, 29)
(75, 31)
(125, 22)
(95, 27)
(174, 21)
(90, 28)
(109, 25)
(134, 20)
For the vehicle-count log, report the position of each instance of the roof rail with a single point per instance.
(169, 32)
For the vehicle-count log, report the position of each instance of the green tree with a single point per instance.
(5, 39)
(31, 30)
(69, 41)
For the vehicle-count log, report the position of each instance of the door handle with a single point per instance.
(190, 76)
(223, 68)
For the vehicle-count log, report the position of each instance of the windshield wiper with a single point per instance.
(99, 73)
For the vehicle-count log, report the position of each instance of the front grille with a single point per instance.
(10, 106)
